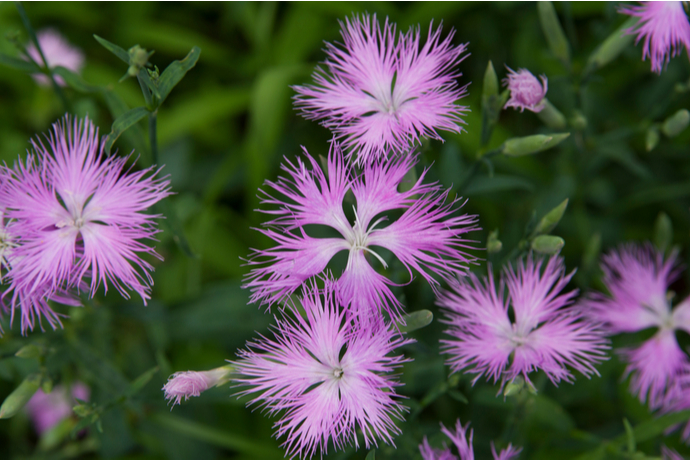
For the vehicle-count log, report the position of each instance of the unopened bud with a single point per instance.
(192, 383)
(676, 123)
(494, 245)
(548, 244)
(551, 219)
(20, 396)
(652, 138)
(528, 145)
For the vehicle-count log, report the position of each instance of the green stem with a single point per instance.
(48, 71)
(153, 136)
(475, 168)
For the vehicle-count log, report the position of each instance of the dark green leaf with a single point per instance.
(122, 123)
(371, 455)
(75, 81)
(497, 183)
(141, 381)
(113, 48)
(19, 64)
(172, 75)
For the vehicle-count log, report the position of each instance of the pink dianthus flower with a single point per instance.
(58, 52)
(381, 93)
(47, 410)
(664, 26)
(525, 90)
(463, 444)
(78, 215)
(546, 334)
(327, 376)
(427, 236)
(637, 278)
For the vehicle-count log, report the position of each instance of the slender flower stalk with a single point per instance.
(427, 237)
(463, 444)
(545, 334)
(637, 278)
(664, 28)
(525, 90)
(77, 220)
(328, 377)
(381, 92)
(192, 383)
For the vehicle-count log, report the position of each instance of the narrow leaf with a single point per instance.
(141, 381)
(172, 75)
(371, 455)
(19, 64)
(553, 31)
(551, 219)
(75, 81)
(122, 123)
(113, 48)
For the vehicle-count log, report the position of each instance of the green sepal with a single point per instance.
(551, 116)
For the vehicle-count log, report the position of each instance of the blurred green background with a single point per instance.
(224, 130)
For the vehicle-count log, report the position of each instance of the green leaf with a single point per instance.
(498, 183)
(141, 381)
(663, 232)
(172, 222)
(214, 436)
(122, 123)
(30, 351)
(19, 64)
(551, 219)
(20, 396)
(75, 81)
(553, 31)
(548, 244)
(172, 75)
(371, 455)
(113, 48)
(528, 145)
(631, 436)
(652, 428)
(415, 320)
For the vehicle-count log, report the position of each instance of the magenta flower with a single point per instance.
(463, 444)
(192, 383)
(664, 27)
(637, 278)
(58, 52)
(78, 215)
(381, 95)
(426, 237)
(525, 90)
(670, 454)
(47, 410)
(328, 377)
(545, 334)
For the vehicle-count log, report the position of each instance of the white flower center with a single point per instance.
(357, 239)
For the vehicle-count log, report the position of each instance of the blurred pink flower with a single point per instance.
(328, 378)
(78, 215)
(664, 27)
(463, 444)
(545, 334)
(58, 52)
(525, 90)
(47, 410)
(380, 95)
(637, 278)
(427, 237)
(670, 454)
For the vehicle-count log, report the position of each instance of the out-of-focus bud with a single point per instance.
(514, 387)
(138, 59)
(612, 46)
(663, 232)
(519, 146)
(651, 138)
(578, 121)
(676, 123)
(192, 383)
(548, 244)
(551, 116)
(494, 245)
(20, 396)
(551, 219)
(490, 87)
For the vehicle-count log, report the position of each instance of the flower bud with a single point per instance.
(518, 146)
(676, 123)
(551, 219)
(494, 245)
(652, 138)
(555, 37)
(525, 90)
(192, 383)
(548, 244)
(20, 396)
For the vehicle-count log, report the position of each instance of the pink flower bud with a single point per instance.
(525, 90)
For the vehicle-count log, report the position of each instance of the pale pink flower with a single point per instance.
(58, 52)
(637, 278)
(79, 215)
(327, 377)
(47, 410)
(665, 28)
(670, 454)
(192, 383)
(525, 90)
(427, 237)
(545, 333)
(463, 444)
(381, 92)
